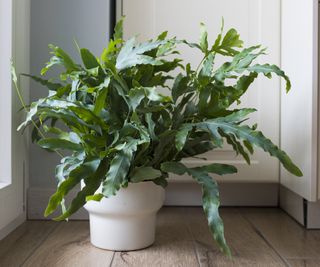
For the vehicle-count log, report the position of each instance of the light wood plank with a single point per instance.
(182, 239)
(304, 263)
(173, 247)
(69, 245)
(21, 243)
(248, 248)
(288, 237)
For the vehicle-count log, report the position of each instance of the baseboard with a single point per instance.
(37, 202)
(304, 212)
(231, 194)
(12, 225)
(177, 194)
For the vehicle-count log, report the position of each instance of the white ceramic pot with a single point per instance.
(126, 221)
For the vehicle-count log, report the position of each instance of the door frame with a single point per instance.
(14, 208)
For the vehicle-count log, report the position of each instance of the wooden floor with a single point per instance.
(257, 237)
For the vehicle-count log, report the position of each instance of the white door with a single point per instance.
(258, 22)
(13, 36)
(299, 109)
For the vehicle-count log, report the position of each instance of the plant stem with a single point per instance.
(15, 82)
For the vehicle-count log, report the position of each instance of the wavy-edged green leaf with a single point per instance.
(239, 64)
(92, 183)
(237, 146)
(81, 172)
(245, 133)
(49, 84)
(31, 113)
(218, 168)
(101, 96)
(118, 170)
(148, 173)
(173, 167)
(211, 204)
(118, 29)
(132, 54)
(210, 195)
(205, 74)
(181, 136)
(60, 58)
(88, 59)
(137, 94)
(59, 144)
(268, 70)
(203, 40)
(229, 43)
(88, 116)
(180, 86)
(151, 126)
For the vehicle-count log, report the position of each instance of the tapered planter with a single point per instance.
(126, 221)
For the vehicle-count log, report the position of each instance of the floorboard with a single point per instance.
(173, 247)
(20, 244)
(257, 237)
(247, 247)
(285, 235)
(67, 246)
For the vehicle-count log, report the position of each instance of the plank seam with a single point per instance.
(260, 234)
(40, 244)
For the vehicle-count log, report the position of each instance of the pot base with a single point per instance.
(122, 233)
(126, 221)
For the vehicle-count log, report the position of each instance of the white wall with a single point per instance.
(60, 22)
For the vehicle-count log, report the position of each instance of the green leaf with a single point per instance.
(119, 168)
(108, 53)
(161, 181)
(88, 116)
(135, 97)
(180, 169)
(203, 43)
(59, 144)
(151, 126)
(118, 29)
(32, 112)
(144, 174)
(218, 168)
(89, 60)
(96, 197)
(210, 195)
(132, 54)
(268, 69)
(237, 146)
(229, 126)
(92, 183)
(180, 86)
(50, 85)
(211, 203)
(173, 167)
(205, 74)
(74, 178)
(101, 97)
(229, 42)
(163, 148)
(137, 94)
(181, 136)
(60, 58)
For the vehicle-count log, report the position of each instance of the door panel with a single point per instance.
(299, 109)
(258, 22)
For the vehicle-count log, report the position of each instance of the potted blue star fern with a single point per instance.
(123, 138)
